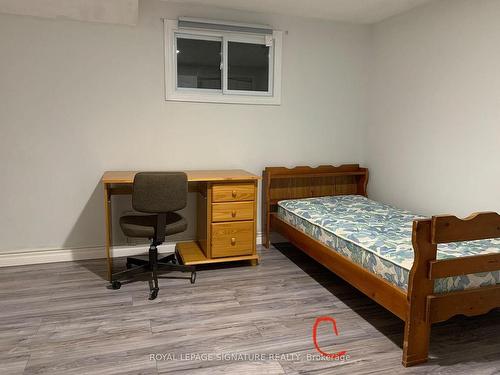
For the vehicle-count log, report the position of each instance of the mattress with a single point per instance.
(377, 237)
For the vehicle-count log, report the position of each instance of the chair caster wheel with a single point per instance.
(116, 285)
(193, 277)
(153, 294)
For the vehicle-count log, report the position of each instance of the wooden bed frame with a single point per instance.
(419, 307)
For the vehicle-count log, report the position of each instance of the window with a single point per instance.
(198, 63)
(248, 67)
(208, 65)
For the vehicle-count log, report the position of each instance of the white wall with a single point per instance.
(433, 130)
(77, 99)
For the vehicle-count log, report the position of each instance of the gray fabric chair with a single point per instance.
(158, 194)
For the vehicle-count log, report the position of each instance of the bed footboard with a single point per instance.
(425, 307)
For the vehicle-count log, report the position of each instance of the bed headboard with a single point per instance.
(279, 183)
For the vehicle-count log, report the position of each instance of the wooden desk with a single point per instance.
(226, 209)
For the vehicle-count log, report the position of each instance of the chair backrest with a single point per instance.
(159, 192)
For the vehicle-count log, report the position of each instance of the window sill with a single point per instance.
(221, 98)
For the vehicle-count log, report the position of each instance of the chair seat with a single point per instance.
(144, 225)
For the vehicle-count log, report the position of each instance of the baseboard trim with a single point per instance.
(39, 256)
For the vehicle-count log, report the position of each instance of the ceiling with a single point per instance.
(126, 11)
(108, 11)
(357, 11)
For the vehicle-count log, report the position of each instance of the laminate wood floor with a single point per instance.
(60, 319)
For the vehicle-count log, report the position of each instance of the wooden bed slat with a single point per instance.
(464, 265)
(324, 174)
(297, 188)
(470, 302)
(478, 226)
(307, 171)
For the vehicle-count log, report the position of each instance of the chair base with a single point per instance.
(151, 264)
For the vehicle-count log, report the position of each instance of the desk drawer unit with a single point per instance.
(232, 239)
(232, 220)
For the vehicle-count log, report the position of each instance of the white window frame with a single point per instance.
(172, 92)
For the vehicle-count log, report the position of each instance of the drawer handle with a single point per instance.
(233, 213)
(233, 241)
(234, 193)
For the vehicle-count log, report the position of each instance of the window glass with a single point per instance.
(198, 63)
(248, 67)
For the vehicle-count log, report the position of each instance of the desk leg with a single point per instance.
(107, 218)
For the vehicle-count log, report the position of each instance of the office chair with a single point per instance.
(158, 194)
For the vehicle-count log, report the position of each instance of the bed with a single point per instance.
(424, 270)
